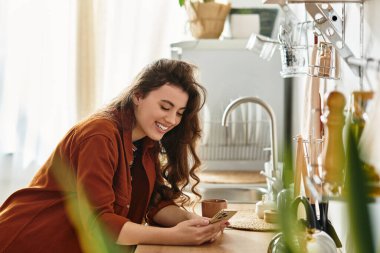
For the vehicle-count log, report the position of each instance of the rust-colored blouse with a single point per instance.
(96, 157)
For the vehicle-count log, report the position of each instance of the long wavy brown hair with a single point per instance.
(175, 155)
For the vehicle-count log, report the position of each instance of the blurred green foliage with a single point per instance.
(356, 193)
(92, 235)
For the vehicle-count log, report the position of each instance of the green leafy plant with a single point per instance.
(92, 235)
(357, 196)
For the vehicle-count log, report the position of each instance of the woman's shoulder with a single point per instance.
(97, 126)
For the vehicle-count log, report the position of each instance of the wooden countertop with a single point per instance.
(231, 241)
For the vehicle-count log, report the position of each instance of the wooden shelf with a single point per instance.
(283, 2)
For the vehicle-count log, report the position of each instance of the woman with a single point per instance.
(124, 165)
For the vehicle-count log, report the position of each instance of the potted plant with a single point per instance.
(206, 17)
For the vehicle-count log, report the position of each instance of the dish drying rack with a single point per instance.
(246, 139)
(241, 141)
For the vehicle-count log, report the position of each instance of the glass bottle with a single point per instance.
(324, 59)
(358, 118)
(359, 102)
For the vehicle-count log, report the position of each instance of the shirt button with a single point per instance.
(127, 206)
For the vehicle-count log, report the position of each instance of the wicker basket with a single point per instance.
(207, 19)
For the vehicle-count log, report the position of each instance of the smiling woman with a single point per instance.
(93, 166)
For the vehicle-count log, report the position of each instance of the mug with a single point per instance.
(211, 206)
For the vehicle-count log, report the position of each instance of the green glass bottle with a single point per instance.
(358, 118)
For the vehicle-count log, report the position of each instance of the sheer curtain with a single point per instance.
(42, 89)
(135, 33)
(37, 82)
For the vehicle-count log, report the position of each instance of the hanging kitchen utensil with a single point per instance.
(300, 161)
(311, 130)
(312, 149)
(293, 51)
(293, 60)
(326, 224)
(325, 65)
(310, 221)
(262, 45)
(311, 127)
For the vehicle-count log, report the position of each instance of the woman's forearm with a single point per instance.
(133, 234)
(170, 216)
(189, 232)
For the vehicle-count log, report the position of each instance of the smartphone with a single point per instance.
(222, 215)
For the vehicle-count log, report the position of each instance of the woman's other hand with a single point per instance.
(197, 231)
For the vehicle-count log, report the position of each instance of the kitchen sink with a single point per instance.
(233, 193)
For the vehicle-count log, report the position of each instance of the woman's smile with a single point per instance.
(161, 127)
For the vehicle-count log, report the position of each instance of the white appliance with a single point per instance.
(228, 71)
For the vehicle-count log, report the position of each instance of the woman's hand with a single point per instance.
(191, 215)
(197, 231)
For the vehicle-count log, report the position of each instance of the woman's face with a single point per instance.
(159, 112)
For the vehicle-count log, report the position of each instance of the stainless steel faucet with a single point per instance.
(237, 102)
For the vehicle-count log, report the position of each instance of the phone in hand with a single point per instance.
(222, 215)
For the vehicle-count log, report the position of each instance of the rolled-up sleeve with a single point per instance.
(155, 209)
